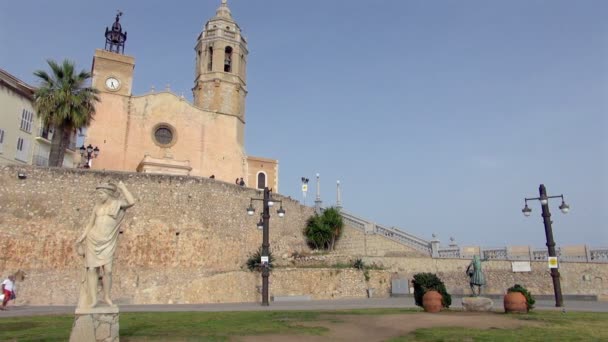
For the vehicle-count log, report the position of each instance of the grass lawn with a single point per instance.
(553, 326)
(220, 326)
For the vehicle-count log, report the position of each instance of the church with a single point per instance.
(161, 132)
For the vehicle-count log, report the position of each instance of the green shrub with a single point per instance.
(366, 275)
(529, 298)
(322, 231)
(254, 261)
(424, 282)
(359, 264)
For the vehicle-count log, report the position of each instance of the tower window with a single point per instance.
(228, 59)
(210, 64)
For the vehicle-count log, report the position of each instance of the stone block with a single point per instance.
(477, 304)
(102, 332)
(95, 325)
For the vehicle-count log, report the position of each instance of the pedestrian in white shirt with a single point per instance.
(8, 288)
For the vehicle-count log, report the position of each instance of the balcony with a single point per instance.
(45, 135)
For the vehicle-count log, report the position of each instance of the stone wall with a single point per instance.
(188, 285)
(576, 278)
(184, 223)
(187, 240)
(355, 242)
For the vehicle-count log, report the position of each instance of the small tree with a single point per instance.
(322, 231)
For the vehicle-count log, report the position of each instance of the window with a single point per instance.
(46, 132)
(228, 59)
(22, 149)
(210, 64)
(261, 180)
(164, 135)
(26, 121)
(1, 139)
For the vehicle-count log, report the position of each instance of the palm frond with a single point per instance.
(63, 99)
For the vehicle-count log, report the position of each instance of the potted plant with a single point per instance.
(430, 292)
(518, 299)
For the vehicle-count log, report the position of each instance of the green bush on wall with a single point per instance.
(254, 262)
(424, 282)
(529, 297)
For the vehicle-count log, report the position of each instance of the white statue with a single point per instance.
(98, 242)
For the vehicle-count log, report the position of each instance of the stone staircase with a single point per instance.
(366, 238)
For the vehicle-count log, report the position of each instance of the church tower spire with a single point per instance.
(220, 72)
(115, 38)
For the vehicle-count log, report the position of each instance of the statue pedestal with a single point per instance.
(99, 324)
(477, 304)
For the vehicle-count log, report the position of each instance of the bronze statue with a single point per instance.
(476, 275)
(98, 242)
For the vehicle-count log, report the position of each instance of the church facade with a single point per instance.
(161, 132)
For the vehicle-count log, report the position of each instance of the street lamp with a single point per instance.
(264, 223)
(544, 201)
(90, 153)
(304, 188)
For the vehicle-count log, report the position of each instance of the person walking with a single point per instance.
(8, 289)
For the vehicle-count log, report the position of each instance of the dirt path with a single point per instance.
(383, 327)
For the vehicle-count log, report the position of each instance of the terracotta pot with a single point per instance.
(515, 302)
(431, 301)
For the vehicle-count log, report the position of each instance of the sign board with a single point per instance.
(264, 259)
(304, 187)
(521, 266)
(552, 261)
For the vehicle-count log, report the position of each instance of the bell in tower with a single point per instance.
(115, 38)
(220, 83)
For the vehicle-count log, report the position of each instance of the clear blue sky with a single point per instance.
(437, 116)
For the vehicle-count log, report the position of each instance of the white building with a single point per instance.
(23, 139)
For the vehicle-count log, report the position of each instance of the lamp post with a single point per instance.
(338, 196)
(90, 153)
(304, 188)
(544, 201)
(265, 223)
(318, 201)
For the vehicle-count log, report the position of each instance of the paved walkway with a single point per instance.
(342, 304)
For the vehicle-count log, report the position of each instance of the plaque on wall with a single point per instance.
(521, 266)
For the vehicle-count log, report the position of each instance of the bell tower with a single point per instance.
(113, 70)
(220, 83)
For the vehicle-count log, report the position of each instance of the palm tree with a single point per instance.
(322, 231)
(65, 102)
(334, 221)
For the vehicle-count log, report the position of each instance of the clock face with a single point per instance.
(112, 83)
